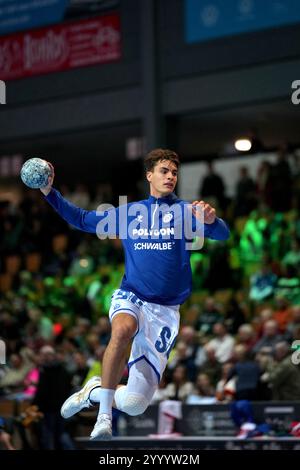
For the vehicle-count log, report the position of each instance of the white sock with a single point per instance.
(95, 394)
(106, 398)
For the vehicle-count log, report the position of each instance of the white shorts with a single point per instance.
(157, 329)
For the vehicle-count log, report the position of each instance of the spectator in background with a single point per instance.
(183, 356)
(179, 388)
(234, 316)
(270, 336)
(225, 389)
(209, 316)
(247, 374)
(258, 322)
(219, 274)
(282, 315)
(53, 388)
(263, 282)
(296, 181)
(103, 330)
(246, 336)
(80, 371)
(263, 183)
(211, 366)
(295, 321)
(288, 285)
(13, 379)
(189, 336)
(212, 187)
(245, 195)
(292, 257)
(265, 361)
(80, 197)
(9, 329)
(5, 437)
(284, 376)
(222, 343)
(39, 325)
(203, 393)
(281, 182)
(160, 393)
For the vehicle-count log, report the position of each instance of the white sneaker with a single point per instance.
(102, 429)
(80, 399)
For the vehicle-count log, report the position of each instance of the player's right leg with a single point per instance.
(124, 327)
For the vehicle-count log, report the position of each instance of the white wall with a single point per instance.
(191, 174)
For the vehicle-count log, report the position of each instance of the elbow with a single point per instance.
(225, 235)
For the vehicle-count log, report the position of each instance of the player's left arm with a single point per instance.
(214, 227)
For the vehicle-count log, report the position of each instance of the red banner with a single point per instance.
(61, 47)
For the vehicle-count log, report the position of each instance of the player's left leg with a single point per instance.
(135, 397)
(81, 399)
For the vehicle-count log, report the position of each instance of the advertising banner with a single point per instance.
(21, 15)
(61, 47)
(218, 18)
(18, 15)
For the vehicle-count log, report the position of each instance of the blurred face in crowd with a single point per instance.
(245, 333)
(270, 328)
(179, 374)
(15, 361)
(281, 350)
(47, 355)
(210, 353)
(203, 381)
(266, 314)
(181, 350)
(163, 178)
(296, 314)
(209, 304)
(219, 330)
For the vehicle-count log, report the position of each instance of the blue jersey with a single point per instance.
(155, 239)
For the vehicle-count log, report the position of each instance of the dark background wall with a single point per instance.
(207, 92)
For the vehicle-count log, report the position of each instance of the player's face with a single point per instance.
(163, 178)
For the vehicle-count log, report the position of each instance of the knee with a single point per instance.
(122, 333)
(134, 404)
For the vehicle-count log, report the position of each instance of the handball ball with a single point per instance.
(35, 173)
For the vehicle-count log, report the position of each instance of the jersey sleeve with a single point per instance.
(217, 231)
(101, 222)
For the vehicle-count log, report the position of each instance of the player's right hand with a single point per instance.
(46, 190)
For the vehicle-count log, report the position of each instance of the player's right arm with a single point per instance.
(87, 221)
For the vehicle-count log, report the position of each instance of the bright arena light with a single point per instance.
(243, 145)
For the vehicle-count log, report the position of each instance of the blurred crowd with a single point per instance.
(237, 328)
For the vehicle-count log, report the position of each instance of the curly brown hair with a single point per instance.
(158, 155)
